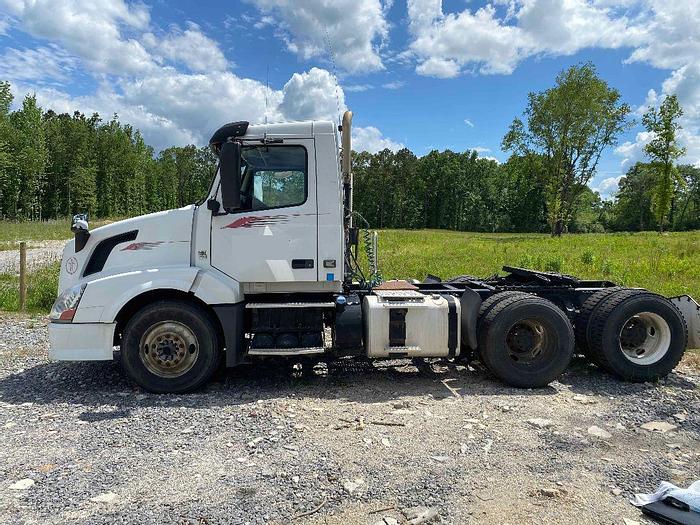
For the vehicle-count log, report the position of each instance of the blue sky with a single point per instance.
(427, 74)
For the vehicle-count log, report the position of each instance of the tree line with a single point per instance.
(54, 165)
(461, 191)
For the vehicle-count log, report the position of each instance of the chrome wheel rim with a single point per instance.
(645, 338)
(526, 340)
(169, 349)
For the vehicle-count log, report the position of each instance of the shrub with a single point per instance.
(588, 257)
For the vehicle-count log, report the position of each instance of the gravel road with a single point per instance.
(267, 444)
(39, 253)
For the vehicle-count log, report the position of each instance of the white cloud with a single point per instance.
(41, 64)
(670, 34)
(492, 42)
(438, 67)
(90, 29)
(312, 95)
(370, 139)
(469, 123)
(607, 188)
(358, 88)
(4, 26)
(173, 85)
(396, 84)
(497, 37)
(480, 149)
(159, 131)
(633, 151)
(189, 47)
(685, 83)
(356, 29)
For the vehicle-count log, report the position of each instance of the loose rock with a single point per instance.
(22, 484)
(598, 432)
(658, 426)
(540, 422)
(418, 515)
(107, 497)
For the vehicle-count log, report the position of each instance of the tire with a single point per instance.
(581, 325)
(488, 304)
(637, 335)
(184, 350)
(524, 340)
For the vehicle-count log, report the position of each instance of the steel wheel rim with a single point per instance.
(169, 349)
(527, 340)
(645, 338)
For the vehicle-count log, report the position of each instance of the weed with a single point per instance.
(587, 257)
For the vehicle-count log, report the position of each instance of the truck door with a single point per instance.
(273, 238)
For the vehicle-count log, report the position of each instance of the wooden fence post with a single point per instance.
(22, 276)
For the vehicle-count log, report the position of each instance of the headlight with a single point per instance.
(67, 303)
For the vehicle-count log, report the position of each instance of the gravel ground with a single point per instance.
(267, 444)
(39, 253)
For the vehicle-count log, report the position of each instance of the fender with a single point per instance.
(96, 305)
(105, 297)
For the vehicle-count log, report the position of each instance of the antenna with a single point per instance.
(267, 88)
(331, 54)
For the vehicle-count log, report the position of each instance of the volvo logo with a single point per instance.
(71, 265)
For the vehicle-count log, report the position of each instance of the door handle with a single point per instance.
(302, 264)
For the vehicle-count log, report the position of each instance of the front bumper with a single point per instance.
(81, 341)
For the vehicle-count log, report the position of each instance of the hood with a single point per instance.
(149, 241)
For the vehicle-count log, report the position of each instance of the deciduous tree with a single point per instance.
(570, 125)
(664, 150)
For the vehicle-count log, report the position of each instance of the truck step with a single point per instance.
(287, 351)
(290, 305)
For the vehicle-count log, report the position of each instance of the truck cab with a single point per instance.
(265, 265)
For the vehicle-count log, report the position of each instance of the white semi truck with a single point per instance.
(266, 265)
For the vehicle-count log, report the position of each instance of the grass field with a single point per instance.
(668, 264)
(11, 233)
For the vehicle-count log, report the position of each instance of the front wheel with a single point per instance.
(170, 347)
(524, 340)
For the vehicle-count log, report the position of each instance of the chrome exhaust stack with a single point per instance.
(346, 165)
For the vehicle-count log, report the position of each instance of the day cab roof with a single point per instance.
(280, 129)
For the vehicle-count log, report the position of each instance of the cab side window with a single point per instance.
(273, 177)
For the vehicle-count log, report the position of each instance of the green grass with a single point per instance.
(42, 285)
(11, 233)
(668, 264)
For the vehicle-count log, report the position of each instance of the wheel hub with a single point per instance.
(525, 340)
(169, 349)
(633, 334)
(645, 338)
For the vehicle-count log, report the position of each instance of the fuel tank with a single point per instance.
(407, 323)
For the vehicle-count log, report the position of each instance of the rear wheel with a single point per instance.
(170, 347)
(589, 307)
(524, 340)
(637, 335)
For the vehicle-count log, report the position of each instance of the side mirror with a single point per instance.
(230, 175)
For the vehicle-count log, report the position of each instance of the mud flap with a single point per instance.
(231, 317)
(691, 313)
(470, 304)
